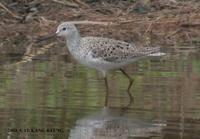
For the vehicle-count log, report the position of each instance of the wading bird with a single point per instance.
(103, 54)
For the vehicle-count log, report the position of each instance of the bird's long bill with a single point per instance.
(43, 38)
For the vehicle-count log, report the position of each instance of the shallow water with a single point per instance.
(62, 99)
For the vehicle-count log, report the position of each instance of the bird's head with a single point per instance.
(66, 30)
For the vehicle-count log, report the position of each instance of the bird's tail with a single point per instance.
(158, 54)
(156, 51)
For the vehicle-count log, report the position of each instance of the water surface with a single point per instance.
(67, 99)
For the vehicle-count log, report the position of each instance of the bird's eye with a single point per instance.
(64, 28)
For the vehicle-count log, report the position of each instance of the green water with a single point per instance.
(61, 95)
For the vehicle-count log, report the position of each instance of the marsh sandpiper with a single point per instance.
(103, 54)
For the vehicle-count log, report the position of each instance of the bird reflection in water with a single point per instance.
(112, 124)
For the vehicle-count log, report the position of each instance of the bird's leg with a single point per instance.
(129, 86)
(107, 91)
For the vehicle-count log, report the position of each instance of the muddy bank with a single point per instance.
(147, 23)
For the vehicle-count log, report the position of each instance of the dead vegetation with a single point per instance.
(145, 22)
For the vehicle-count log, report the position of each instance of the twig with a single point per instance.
(151, 23)
(149, 27)
(11, 13)
(173, 33)
(44, 21)
(66, 3)
(28, 50)
(187, 25)
(138, 21)
(188, 37)
(129, 21)
(120, 22)
(81, 3)
(92, 22)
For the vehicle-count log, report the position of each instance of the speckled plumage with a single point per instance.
(101, 53)
(115, 51)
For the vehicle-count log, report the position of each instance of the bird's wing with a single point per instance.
(111, 50)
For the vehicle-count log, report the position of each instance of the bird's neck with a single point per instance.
(73, 41)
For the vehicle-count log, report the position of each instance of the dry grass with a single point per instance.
(148, 22)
